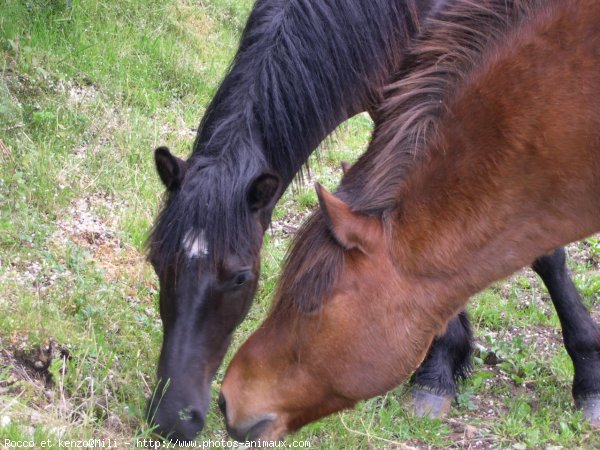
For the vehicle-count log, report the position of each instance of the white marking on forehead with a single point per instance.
(194, 243)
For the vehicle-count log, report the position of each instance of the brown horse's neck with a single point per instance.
(515, 169)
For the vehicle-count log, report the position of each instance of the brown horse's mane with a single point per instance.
(452, 44)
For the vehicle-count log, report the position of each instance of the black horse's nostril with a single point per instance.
(222, 405)
(185, 428)
(177, 424)
(195, 417)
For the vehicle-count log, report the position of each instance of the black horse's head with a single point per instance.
(205, 249)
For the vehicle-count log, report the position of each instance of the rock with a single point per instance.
(470, 432)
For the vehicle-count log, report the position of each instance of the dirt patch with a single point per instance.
(295, 215)
(32, 365)
(37, 374)
(85, 228)
(289, 225)
(468, 436)
(585, 253)
(80, 94)
(36, 362)
(546, 339)
(27, 86)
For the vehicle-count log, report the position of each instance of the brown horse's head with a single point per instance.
(346, 325)
(486, 174)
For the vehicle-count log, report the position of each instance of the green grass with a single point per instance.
(87, 90)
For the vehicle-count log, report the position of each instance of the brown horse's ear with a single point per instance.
(170, 168)
(345, 167)
(263, 192)
(350, 229)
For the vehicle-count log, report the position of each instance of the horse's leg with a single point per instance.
(434, 384)
(581, 334)
(448, 359)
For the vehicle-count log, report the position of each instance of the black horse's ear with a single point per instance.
(170, 168)
(263, 192)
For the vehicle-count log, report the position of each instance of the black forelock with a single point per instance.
(212, 200)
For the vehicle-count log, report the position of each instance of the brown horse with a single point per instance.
(486, 155)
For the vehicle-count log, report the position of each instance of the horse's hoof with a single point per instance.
(431, 405)
(591, 409)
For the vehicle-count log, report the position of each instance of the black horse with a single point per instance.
(302, 68)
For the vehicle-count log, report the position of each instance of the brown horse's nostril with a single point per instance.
(244, 433)
(253, 433)
(223, 405)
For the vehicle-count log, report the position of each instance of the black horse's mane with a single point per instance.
(302, 66)
(451, 45)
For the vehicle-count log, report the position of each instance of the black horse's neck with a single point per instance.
(303, 67)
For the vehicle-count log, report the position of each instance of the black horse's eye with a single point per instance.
(242, 278)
